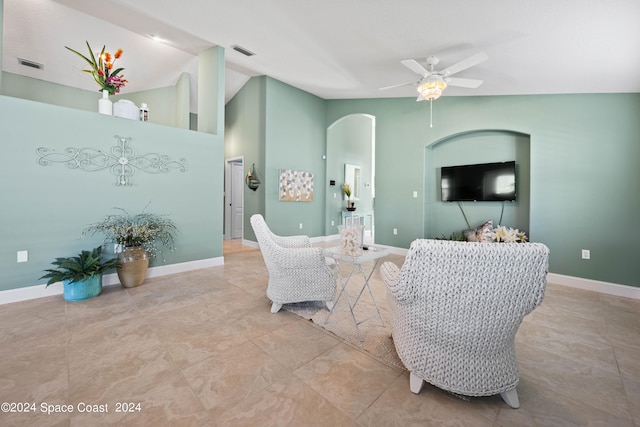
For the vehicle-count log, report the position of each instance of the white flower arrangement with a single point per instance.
(509, 235)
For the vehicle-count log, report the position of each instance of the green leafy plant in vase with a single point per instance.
(80, 275)
(346, 189)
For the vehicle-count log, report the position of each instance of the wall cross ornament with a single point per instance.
(122, 160)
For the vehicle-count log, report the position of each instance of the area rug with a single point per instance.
(376, 333)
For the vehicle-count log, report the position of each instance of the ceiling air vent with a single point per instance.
(243, 51)
(32, 64)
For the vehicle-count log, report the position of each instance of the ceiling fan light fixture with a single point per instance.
(432, 88)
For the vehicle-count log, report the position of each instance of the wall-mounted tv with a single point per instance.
(485, 182)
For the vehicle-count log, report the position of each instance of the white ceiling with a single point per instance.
(337, 49)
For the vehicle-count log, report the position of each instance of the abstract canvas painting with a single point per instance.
(295, 186)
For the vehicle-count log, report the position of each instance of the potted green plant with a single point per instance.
(139, 236)
(346, 189)
(80, 275)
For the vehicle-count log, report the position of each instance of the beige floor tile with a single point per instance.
(289, 402)
(574, 380)
(295, 344)
(30, 325)
(398, 406)
(261, 321)
(162, 398)
(197, 342)
(37, 376)
(542, 407)
(629, 361)
(202, 349)
(348, 378)
(225, 379)
(587, 347)
(40, 418)
(632, 388)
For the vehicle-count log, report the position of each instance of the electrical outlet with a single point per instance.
(300, 226)
(395, 231)
(586, 254)
(23, 256)
(335, 195)
(333, 223)
(415, 194)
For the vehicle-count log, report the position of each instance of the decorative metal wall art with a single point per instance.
(296, 186)
(121, 160)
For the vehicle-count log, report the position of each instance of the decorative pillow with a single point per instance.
(485, 232)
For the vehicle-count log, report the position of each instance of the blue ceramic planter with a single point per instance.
(79, 291)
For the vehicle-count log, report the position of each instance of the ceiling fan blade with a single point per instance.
(414, 66)
(470, 83)
(420, 98)
(464, 64)
(395, 86)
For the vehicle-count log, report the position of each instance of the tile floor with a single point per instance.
(202, 349)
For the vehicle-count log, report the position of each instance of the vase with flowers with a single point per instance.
(139, 237)
(105, 75)
(346, 189)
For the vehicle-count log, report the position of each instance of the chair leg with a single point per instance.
(415, 383)
(511, 398)
(275, 307)
(330, 305)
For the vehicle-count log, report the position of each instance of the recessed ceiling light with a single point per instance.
(157, 38)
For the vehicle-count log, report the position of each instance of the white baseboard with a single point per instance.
(595, 285)
(40, 291)
(250, 243)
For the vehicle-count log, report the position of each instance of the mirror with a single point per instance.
(352, 177)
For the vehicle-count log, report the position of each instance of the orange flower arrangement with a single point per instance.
(102, 69)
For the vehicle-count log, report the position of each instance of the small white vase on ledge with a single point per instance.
(105, 106)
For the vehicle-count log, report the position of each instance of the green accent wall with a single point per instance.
(45, 208)
(245, 137)
(484, 146)
(295, 138)
(577, 165)
(583, 174)
(277, 126)
(168, 106)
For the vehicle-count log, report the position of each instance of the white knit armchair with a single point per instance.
(455, 310)
(297, 271)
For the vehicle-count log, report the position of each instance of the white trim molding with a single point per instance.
(595, 285)
(250, 243)
(40, 291)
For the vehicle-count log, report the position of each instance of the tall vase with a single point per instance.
(134, 263)
(105, 106)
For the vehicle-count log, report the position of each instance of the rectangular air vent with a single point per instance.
(29, 63)
(243, 50)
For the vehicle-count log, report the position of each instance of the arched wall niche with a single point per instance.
(469, 147)
(350, 140)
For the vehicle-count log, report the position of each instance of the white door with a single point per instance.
(237, 199)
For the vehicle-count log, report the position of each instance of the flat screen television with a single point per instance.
(485, 182)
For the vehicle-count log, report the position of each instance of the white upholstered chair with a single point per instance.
(297, 271)
(455, 310)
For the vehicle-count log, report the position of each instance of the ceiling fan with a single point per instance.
(432, 82)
